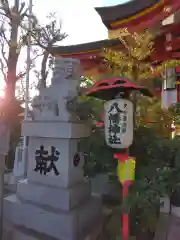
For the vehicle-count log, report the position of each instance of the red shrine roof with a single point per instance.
(163, 50)
(132, 14)
(112, 14)
(85, 49)
(137, 14)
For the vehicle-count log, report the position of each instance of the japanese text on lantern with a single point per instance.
(45, 160)
(118, 123)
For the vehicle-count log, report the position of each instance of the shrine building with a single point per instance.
(160, 17)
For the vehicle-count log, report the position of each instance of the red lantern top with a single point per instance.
(109, 88)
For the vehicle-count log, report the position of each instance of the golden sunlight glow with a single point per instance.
(2, 93)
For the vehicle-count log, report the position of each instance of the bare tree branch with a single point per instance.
(5, 7)
(14, 37)
(4, 36)
(45, 37)
(2, 70)
(22, 8)
(3, 53)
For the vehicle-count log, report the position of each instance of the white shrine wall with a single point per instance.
(168, 97)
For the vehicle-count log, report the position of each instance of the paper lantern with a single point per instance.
(118, 123)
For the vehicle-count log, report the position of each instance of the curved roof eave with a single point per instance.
(122, 11)
(84, 47)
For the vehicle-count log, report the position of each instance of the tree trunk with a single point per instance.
(43, 69)
(44, 72)
(13, 56)
(10, 91)
(9, 111)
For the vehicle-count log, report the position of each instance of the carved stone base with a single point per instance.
(58, 198)
(24, 234)
(33, 222)
(18, 234)
(165, 205)
(40, 211)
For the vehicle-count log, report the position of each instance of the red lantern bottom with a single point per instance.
(125, 217)
(125, 227)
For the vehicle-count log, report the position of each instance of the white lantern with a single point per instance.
(118, 123)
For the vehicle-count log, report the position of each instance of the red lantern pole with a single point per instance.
(125, 216)
(123, 158)
(178, 88)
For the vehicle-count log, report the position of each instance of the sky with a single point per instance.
(79, 19)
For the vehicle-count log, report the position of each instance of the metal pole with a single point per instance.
(27, 82)
(2, 169)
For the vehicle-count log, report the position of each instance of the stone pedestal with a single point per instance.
(19, 169)
(165, 205)
(55, 202)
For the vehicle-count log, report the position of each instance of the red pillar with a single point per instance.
(178, 83)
